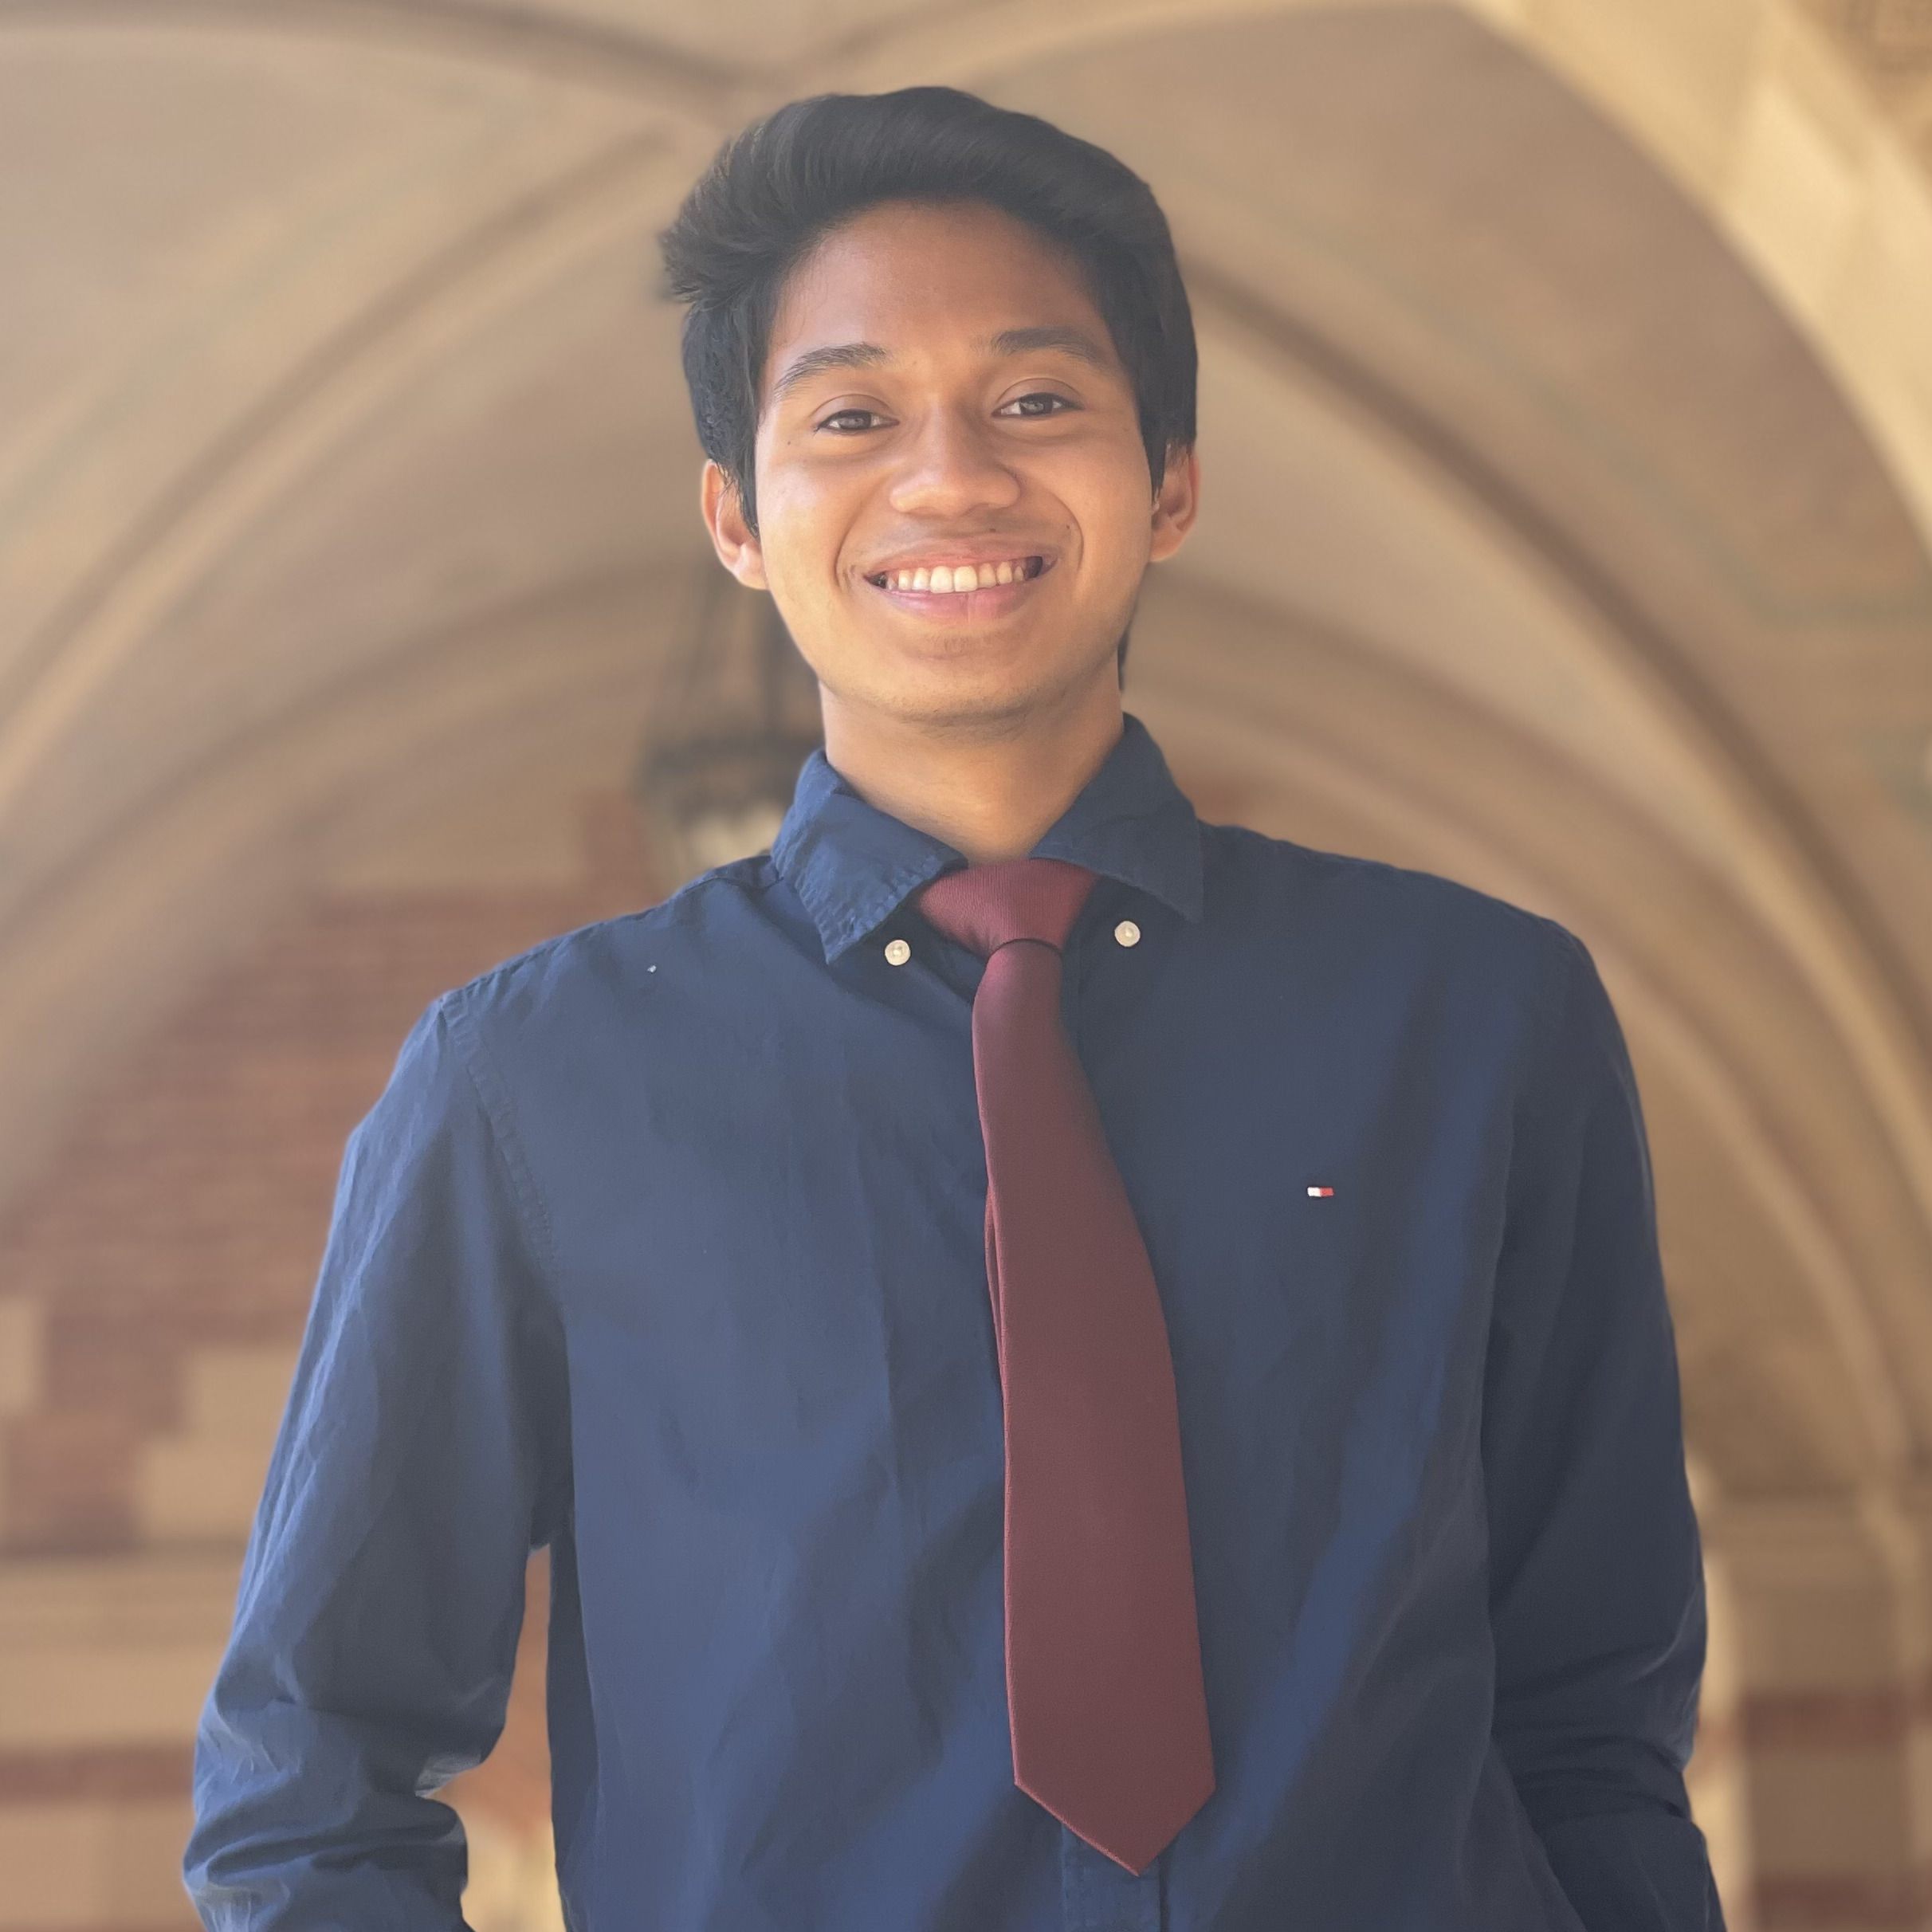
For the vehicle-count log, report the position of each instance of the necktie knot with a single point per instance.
(985, 907)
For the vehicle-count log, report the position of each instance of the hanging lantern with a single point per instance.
(735, 715)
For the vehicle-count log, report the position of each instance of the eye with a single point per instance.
(1043, 395)
(836, 414)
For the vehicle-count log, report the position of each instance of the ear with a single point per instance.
(738, 550)
(1177, 504)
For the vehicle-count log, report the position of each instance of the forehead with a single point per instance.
(908, 280)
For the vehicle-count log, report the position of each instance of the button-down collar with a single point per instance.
(853, 864)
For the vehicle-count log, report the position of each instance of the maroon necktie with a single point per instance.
(1103, 1691)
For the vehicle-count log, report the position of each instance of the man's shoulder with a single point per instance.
(605, 957)
(1376, 904)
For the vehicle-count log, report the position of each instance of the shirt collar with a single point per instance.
(853, 865)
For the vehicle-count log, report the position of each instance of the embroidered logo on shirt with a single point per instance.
(1321, 1190)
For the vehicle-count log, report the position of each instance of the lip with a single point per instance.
(948, 607)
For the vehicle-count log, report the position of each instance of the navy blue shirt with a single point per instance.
(664, 1246)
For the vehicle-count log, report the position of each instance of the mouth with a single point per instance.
(983, 600)
(939, 582)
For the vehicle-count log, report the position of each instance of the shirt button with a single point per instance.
(1127, 932)
(898, 952)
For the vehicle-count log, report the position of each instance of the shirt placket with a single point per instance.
(1097, 1895)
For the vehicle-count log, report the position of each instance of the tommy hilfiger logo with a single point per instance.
(1321, 1190)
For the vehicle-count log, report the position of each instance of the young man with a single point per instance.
(1079, 1368)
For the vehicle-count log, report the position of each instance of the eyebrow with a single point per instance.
(1007, 342)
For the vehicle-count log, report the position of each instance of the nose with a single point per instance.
(952, 464)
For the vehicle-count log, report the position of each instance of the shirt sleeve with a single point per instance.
(421, 1458)
(1596, 1575)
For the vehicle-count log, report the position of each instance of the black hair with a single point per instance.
(778, 186)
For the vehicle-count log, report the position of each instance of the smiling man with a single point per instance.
(1080, 1369)
(952, 511)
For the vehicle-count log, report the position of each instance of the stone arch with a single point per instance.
(1598, 609)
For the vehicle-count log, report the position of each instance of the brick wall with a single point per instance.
(187, 1216)
(154, 1284)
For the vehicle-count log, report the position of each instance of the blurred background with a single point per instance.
(1566, 425)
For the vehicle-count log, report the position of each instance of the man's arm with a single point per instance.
(1596, 1570)
(422, 1456)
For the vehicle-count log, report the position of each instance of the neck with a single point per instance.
(990, 793)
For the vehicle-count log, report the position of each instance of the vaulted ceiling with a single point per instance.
(1567, 439)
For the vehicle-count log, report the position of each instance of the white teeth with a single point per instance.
(944, 579)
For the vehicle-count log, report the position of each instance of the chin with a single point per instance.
(958, 697)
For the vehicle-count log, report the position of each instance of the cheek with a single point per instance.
(799, 535)
(1115, 529)
(1108, 498)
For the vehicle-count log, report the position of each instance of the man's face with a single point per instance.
(938, 444)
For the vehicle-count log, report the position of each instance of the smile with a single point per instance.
(960, 579)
